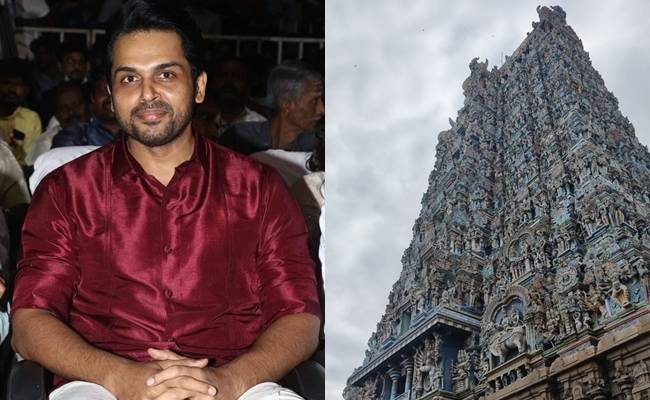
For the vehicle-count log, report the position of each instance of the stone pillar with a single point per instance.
(408, 364)
(394, 374)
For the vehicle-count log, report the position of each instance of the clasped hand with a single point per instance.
(173, 377)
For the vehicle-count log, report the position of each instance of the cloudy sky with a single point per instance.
(394, 73)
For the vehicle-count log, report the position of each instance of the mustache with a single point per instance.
(151, 105)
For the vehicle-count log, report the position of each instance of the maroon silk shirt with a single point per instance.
(200, 267)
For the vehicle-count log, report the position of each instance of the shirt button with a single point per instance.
(168, 293)
(167, 249)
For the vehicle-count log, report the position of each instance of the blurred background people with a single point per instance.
(46, 69)
(13, 186)
(73, 61)
(73, 65)
(19, 125)
(296, 98)
(229, 83)
(70, 109)
(102, 127)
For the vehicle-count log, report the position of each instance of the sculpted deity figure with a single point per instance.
(474, 296)
(461, 370)
(435, 379)
(620, 215)
(595, 301)
(565, 316)
(486, 294)
(418, 298)
(578, 321)
(421, 301)
(447, 296)
(555, 322)
(587, 223)
(624, 272)
(640, 373)
(644, 276)
(428, 375)
(591, 165)
(561, 245)
(505, 322)
(604, 218)
(352, 393)
(368, 390)
(511, 334)
(539, 263)
(373, 342)
(569, 242)
(489, 329)
(619, 293)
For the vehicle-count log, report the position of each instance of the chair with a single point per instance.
(27, 381)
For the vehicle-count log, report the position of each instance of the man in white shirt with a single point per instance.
(228, 82)
(70, 108)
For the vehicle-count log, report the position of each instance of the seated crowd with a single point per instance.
(62, 99)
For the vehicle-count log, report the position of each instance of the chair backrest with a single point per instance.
(27, 381)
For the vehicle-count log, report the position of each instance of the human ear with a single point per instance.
(286, 106)
(200, 84)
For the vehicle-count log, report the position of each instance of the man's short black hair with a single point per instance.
(216, 64)
(16, 68)
(72, 46)
(67, 86)
(146, 15)
(45, 41)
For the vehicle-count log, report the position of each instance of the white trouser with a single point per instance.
(78, 390)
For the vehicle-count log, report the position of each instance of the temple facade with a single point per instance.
(528, 275)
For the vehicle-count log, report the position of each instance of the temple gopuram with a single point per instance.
(528, 275)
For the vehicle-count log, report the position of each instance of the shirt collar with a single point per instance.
(124, 163)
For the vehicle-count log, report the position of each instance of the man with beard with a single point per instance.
(69, 110)
(162, 265)
(19, 126)
(297, 104)
(230, 86)
(73, 62)
(102, 127)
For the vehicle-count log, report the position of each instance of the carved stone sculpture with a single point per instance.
(511, 336)
(533, 242)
